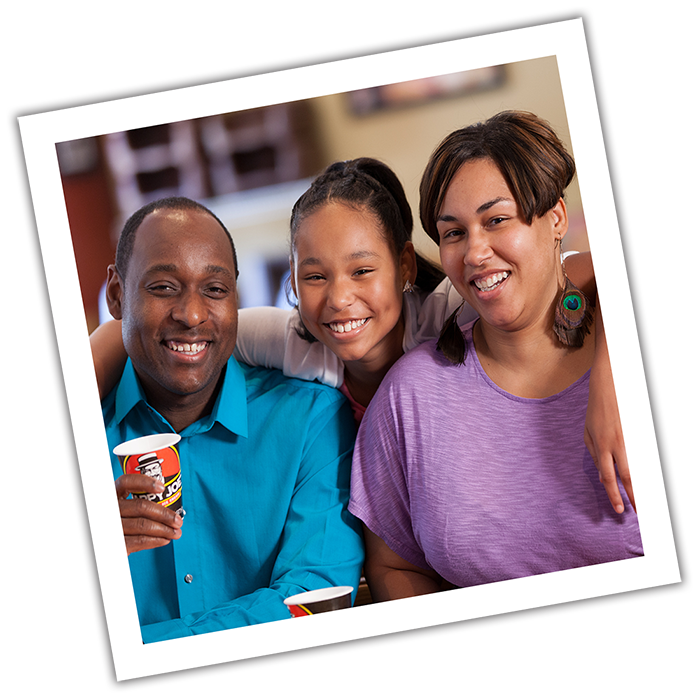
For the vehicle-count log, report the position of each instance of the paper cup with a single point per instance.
(155, 456)
(319, 601)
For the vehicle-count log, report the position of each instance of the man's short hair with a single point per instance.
(125, 246)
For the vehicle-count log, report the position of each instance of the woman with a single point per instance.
(352, 262)
(474, 469)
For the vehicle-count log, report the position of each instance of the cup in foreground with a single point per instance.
(155, 456)
(320, 600)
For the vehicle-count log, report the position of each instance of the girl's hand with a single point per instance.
(108, 355)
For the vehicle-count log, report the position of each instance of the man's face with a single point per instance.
(178, 304)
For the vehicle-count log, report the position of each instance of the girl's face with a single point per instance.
(349, 283)
(508, 271)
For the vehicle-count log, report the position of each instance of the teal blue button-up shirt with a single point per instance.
(265, 482)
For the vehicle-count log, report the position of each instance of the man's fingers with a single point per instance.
(136, 483)
(147, 525)
(136, 527)
(141, 509)
(141, 542)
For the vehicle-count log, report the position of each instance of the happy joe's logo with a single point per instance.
(164, 465)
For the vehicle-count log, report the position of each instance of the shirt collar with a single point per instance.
(230, 409)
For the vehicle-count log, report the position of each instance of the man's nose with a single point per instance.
(190, 309)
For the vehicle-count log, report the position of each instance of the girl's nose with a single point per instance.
(340, 295)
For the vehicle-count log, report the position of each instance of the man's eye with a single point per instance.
(217, 291)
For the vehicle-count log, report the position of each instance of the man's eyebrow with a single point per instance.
(219, 270)
(162, 267)
(210, 269)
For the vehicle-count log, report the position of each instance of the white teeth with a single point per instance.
(347, 327)
(187, 348)
(489, 283)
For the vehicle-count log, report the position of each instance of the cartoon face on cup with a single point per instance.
(320, 600)
(155, 456)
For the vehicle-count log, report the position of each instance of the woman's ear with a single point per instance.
(114, 292)
(408, 263)
(560, 219)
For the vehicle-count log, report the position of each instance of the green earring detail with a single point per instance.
(572, 316)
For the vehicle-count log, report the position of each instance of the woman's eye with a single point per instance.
(363, 271)
(497, 220)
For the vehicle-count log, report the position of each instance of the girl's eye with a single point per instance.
(313, 278)
(363, 271)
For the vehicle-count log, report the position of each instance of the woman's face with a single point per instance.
(508, 271)
(349, 283)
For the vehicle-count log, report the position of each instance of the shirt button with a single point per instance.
(188, 578)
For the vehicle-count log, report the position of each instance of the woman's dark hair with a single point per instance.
(125, 246)
(530, 156)
(368, 184)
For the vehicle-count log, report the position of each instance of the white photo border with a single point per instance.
(40, 133)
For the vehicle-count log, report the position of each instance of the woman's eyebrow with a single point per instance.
(487, 205)
(484, 207)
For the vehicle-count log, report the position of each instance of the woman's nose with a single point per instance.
(478, 249)
(190, 309)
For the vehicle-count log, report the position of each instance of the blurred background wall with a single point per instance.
(249, 167)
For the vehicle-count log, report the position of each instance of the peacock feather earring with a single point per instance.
(573, 314)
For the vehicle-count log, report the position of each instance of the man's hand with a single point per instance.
(146, 524)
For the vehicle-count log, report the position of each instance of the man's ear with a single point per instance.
(114, 292)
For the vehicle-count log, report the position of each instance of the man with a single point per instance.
(265, 459)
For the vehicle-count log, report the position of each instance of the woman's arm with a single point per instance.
(389, 576)
(108, 355)
(603, 431)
